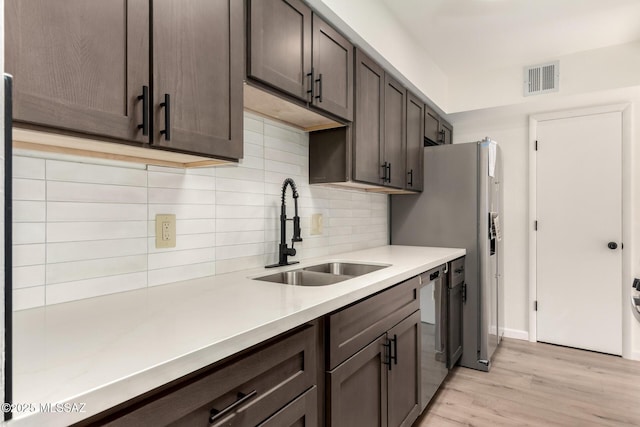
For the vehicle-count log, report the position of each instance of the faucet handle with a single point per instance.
(296, 229)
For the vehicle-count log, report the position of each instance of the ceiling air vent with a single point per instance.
(542, 78)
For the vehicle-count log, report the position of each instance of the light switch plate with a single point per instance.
(316, 224)
(165, 231)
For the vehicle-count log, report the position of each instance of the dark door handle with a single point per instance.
(216, 414)
(319, 95)
(384, 172)
(145, 111)
(387, 353)
(167, 117)
(395, 350)
(410, 173)
(612, 245)
(389, 173)
(310, 90)
(442, 136)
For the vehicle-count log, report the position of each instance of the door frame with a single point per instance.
(627, 169)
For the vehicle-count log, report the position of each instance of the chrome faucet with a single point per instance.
(285, 251)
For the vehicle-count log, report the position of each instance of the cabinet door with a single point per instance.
(415, 142)
(404, 375)
(431, 126)
(357, 388)
(198, 63)
(279, 45)
(333, 70)
(446, 132)
(394, 151)
(302, 412)
(368, 128)
(79, 65)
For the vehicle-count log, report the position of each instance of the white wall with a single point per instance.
(510, 127)
(84, 228)
(584, 72)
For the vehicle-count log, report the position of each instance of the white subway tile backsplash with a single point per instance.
(181, 181)
(186, 241)
(82, 230)
(28, 167)
(24, 255)
(224, 211)
(239, 199)
(72, 211)
(189, 226)
(28, 298)
(160, 260)
(183, 272)
(235, 251)
(99, 230)
(181, 196)
(26, 277)
(83, 192)
(28, 211)
(71, 291)
(95, 249)
(80, 270)
(239, 237)
(240, 185)
(29, 189)
(97, 174)
(28, 232)
(237, 264)
(242, 224)
(183, 211)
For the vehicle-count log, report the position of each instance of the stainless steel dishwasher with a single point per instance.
(441, 295)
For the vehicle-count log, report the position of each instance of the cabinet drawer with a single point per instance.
(354, 327)
(456, 272)
(301, 412)
(265, 380)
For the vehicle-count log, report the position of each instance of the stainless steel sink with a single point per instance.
(303, 278)
(321, 274)
(345, 268)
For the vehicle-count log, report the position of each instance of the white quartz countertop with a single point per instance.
(96, 353)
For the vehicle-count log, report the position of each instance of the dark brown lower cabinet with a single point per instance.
(404, 384)
(358, 388)
(274, 384)
(379, 385)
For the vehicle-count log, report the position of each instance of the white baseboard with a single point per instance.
(516, 334)
(635, 355)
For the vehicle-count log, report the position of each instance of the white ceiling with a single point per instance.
(490, 34)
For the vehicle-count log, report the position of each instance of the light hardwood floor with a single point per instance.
(535, 384)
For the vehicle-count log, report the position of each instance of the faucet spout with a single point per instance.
(285, 251)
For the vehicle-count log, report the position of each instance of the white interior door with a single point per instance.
(579, 212)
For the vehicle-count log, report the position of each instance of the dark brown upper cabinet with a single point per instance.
(436, 130)
(295, 52)
(431, 126)
(415, 142)
(446, 132)
(78, 65)
(84, 67)
(368, 124)
(279, 45)
(393, 151)
(332, 71)
(197, 69)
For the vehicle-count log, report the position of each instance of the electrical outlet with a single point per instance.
(165, 231)
(316, 224)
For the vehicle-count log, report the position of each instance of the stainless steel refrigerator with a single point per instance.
(461, 206)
